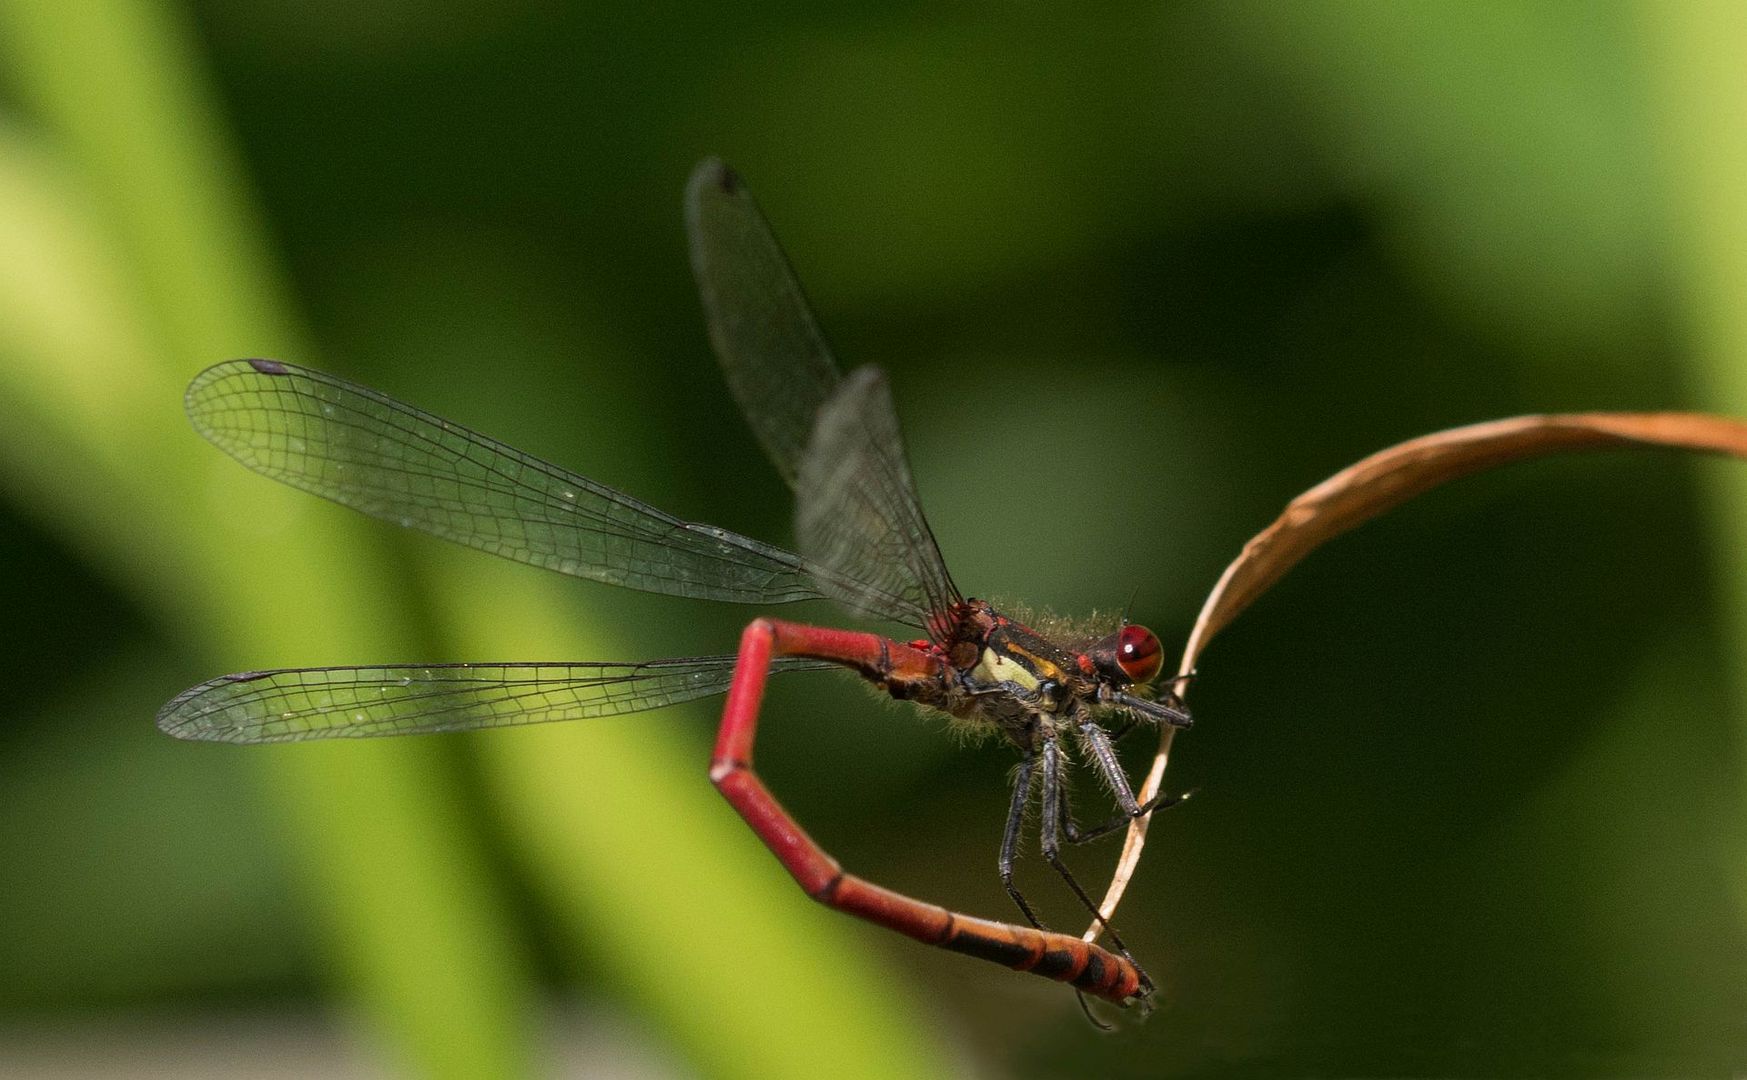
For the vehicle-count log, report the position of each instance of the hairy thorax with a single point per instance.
(1004, 674)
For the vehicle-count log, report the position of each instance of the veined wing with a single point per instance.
(837, 445)
(295, 704)
(857, 514)
(775, 357)
(365, 450)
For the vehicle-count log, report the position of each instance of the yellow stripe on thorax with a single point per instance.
(998, 668)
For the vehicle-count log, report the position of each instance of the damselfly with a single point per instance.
(863, 542)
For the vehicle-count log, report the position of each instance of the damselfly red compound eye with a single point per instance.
(1138, 653)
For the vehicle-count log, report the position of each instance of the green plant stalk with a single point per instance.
(1697, 63)
(131, 261)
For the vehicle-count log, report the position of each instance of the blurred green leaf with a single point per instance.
(1697, 55)
(1501, 143)
(164, 262)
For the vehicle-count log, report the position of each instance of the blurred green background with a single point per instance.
(1471, 782)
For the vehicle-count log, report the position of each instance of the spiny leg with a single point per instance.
(1011, 834)
(1054, 812)
(1097, 971)
(1073, 834)
(1103, 755)
(1109, 768)
(1104, 758)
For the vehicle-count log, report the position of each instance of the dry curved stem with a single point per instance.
(1383, 481)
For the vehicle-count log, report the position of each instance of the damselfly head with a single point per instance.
(1131, 655)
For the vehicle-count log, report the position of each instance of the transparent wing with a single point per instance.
(859, 521)
(368, 451)
(294, 704)
(775, 357)
(857, 514)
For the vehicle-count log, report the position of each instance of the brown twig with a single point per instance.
(1381, 482)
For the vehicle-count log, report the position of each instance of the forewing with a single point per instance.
(295, 704)
(368, 451)
(771, 349)
(857, 515)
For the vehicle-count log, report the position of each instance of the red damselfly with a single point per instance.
(863, 542)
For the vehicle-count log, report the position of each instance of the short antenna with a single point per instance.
(1128, 607)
